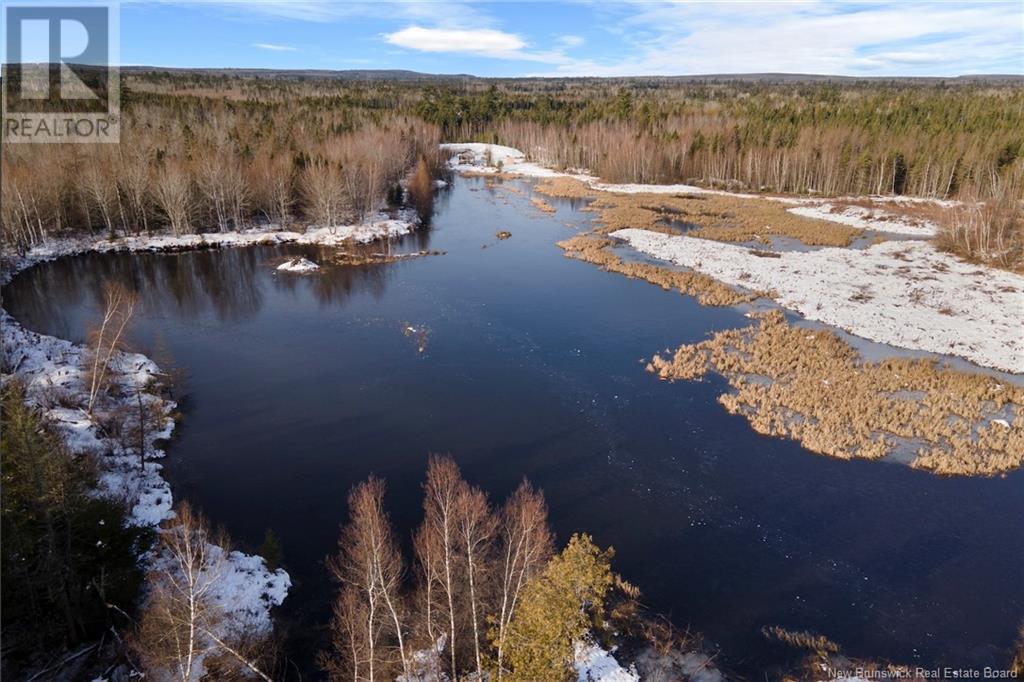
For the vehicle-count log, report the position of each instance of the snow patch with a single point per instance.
(867, 219)
(474, 156)
(425, 664)
(594, 664)
(299, 265)
(905, 294)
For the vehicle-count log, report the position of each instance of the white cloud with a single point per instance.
(910, 38)
(570, 41)
(275, 48)
(483, 41)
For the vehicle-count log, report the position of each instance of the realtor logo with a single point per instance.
(60, 78)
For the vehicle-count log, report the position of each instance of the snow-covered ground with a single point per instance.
(55, 375)
(472, 157)
(338, 235)
(298, 265)
(905, 294)
(867, 219)
(594, 664)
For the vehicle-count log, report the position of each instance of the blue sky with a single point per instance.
(580, 38)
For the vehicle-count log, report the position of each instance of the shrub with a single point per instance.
(990, 232)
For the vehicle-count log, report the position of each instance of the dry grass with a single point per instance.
(719, 217)
(811, 386)
(542, 205)
(707, 290)
(566, 188)
(913, 212)
(800, 639)
(990, 232)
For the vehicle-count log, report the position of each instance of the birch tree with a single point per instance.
(476, 526)
(182, 628)
(368, 625)
(439, 535)
(526, 544)
(119, 305)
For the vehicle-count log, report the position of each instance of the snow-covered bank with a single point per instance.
(905, 294)
(489, 159)
(478, 157)
(55, 375)
(338, 235)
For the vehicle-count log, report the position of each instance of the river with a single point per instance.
(520, 362)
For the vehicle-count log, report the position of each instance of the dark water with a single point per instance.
(297, 387)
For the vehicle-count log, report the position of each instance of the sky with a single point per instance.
(580, 38)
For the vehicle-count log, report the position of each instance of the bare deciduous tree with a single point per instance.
(323, 185)
(135, 183)
(224, 186)
(420, 189)
(119, 305)
(438, 539)
(526, 544)
(172, 190)
(476, 527)
(272, 183)
(368, 617)
(100, 187)
(182, 624)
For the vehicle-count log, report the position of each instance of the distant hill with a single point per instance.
(302, 74)
(416, 76)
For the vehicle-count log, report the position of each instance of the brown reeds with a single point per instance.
(811, 386)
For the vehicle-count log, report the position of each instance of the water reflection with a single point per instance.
(222, 284)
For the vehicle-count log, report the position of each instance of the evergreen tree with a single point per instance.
(559, 607)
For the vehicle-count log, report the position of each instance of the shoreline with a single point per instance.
(54, 374)
(905, 292)
(954, 409)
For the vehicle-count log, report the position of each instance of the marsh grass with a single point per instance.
(811, 386)
(542, 205)
(596, 249)
(718, 217)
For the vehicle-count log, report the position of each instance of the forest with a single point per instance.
(218, 151)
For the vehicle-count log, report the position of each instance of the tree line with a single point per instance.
(205, 151)
(190, 163)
